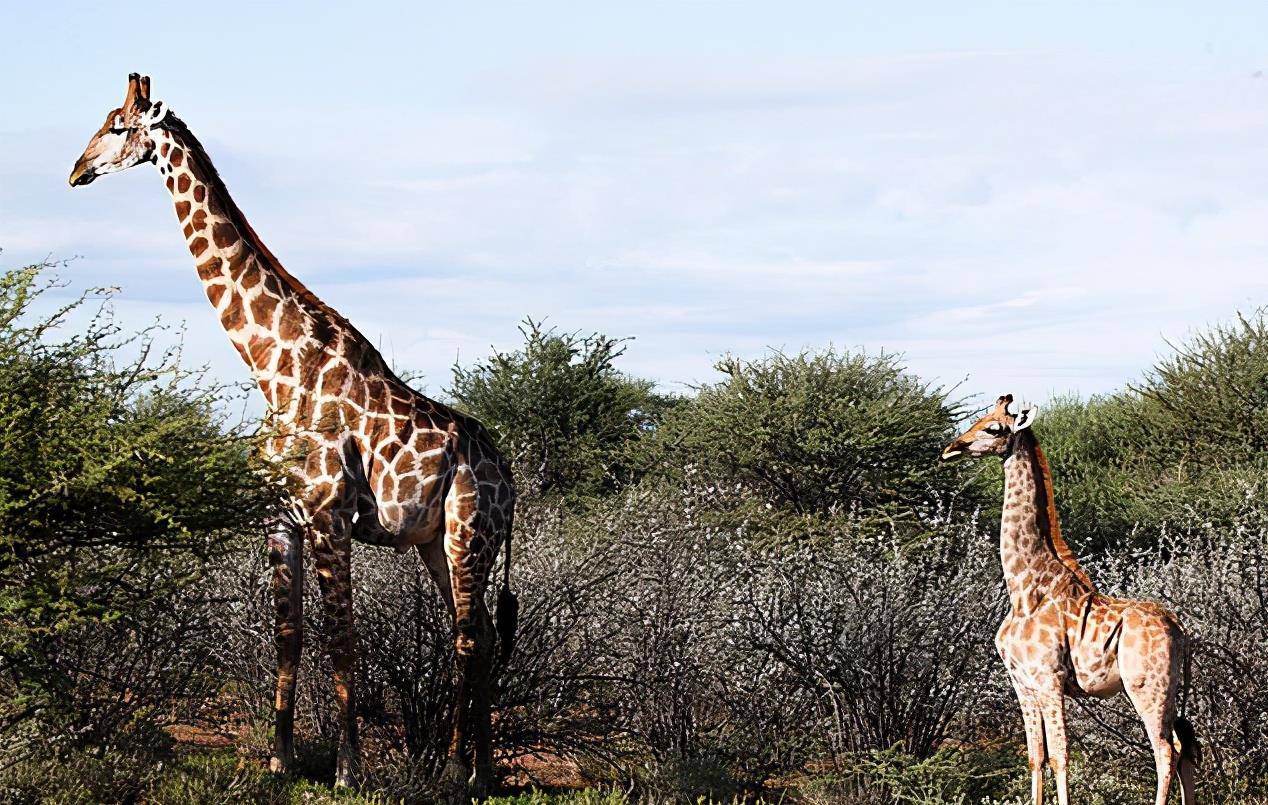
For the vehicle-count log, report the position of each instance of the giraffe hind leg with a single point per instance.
(480, 670)
(1154, 712)
(474, 678)
(469, 567)
(332, 555)
(1190, 753)
(1152, 692)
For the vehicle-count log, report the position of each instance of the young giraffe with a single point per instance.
(372, 460)
(1062, 637)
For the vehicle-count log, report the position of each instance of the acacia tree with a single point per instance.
(119, 481)
(561, 409)
(1188, 439)
(814, 432)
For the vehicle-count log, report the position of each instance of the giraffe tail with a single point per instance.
(1187, 737)
(507, 611)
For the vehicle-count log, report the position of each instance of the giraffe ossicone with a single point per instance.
(1062, 637)
(372, 460)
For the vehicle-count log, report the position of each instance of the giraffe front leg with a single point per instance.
(286, 557)
(1053, 707)
(1036, 746)
(332, 555)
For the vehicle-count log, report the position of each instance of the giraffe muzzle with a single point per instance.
(82, 175)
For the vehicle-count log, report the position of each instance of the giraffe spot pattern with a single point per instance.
(357, 440)
(224, 235)
(262, 308)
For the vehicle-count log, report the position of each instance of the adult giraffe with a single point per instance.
(1062, 637)
(373, 460)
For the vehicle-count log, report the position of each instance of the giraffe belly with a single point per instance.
(396, 526)
(1095, 671)
(421, 527)
(402, 488)
(401, 523)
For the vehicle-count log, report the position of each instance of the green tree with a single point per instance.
(561, 409)
(1187, 444)
(119, 480)
(814, 432)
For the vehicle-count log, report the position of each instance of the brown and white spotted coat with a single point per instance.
(1064, 638)
(372, 459)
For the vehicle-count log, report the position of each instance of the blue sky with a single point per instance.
(1025, 196)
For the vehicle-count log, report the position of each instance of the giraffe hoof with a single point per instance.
(454, 780)
(345, 774)
(482, 781)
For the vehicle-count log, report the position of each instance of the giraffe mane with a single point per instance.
(1049, 524)
(248, 233)
(476, 430)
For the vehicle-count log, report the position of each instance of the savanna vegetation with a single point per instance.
(767, 588)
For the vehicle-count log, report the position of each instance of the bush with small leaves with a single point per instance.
(815, 433)
(561, 410)
(121, 484)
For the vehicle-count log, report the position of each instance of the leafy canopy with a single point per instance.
(562, 410)
(1187, 442)
(116, 478)
(814, 432)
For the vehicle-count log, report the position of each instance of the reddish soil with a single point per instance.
(194, 735)
(545, 770)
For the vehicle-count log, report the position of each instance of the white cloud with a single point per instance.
(1017, 218)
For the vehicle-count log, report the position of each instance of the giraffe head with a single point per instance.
(125, 139)
(992, 434)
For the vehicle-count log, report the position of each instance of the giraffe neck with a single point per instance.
(283, 332)
(1035, 559)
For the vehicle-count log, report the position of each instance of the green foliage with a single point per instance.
(561, 409)
(952, 776)
(202, 778)
(1207, 405)
(1187, 442)
(117, 482)
(668, 644)
(588, 796)
(812, 433)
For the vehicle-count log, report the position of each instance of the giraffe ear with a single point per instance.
(1026, 417)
